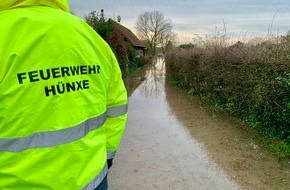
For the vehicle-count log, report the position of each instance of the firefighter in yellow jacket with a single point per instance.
(63, 104)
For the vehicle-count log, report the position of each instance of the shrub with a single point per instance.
(142, 61)
(98, 23)
(131, 53)
(116, 42)
(250, 82)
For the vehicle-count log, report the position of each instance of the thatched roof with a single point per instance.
(128, 34)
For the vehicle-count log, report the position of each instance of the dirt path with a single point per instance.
(175, 143)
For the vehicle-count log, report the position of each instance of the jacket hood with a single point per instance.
(9, 4)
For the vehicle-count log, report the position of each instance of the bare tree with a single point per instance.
(154, 29)
(167, 40)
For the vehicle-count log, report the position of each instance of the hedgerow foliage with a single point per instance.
(117, 43)
(124, 51)
(98, 23)
(251, 82)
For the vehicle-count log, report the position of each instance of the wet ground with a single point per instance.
(173, 142)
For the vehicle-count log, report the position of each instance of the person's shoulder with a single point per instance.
(87, 33)
(77, 22)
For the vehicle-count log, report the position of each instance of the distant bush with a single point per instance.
(117, 43)
(99, 24)
(186, 46)
(124, 51)
(142, 61)
(250, 82)
(131, 53)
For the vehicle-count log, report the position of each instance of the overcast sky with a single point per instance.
(241, 18)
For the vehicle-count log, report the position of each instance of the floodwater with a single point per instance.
(173, 142)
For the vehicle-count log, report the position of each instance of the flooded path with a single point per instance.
(175, 143)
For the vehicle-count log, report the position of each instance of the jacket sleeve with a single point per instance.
(117, 103)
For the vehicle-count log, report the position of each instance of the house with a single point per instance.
(131, 38)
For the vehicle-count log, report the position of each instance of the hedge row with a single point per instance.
(250, 82)
(124, 51)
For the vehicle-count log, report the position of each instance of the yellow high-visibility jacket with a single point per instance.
(63, 104)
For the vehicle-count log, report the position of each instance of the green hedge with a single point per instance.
(250, 82)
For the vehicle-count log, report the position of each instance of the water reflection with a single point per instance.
(154, 83)
(134, 81)
(152, 77)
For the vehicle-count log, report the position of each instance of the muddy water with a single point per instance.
(172, 142)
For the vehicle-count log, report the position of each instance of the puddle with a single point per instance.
(172, 142)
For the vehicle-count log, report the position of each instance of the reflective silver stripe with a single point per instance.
(97, 180)
(51, 138)
(110, 154)
(117, 111)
